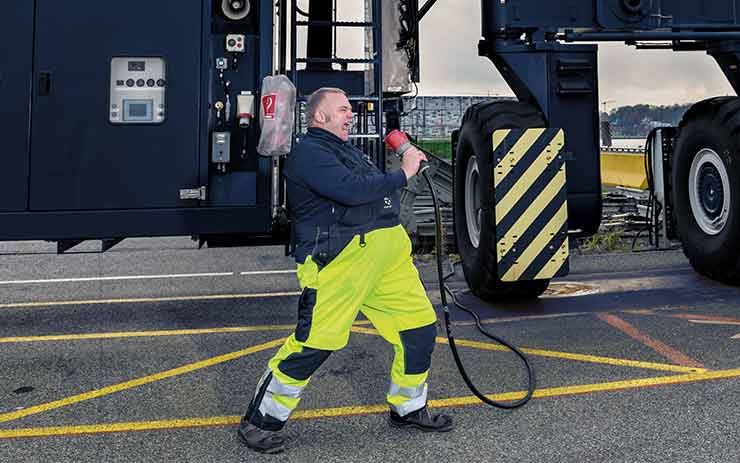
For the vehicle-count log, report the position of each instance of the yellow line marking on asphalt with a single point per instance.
(369, 409)
(210, 297)
(147, 334)
(143, 334)
(560, 355)
(4, 417)
(523, 318)
(579, 357)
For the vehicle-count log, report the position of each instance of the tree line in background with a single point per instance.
(638, 120)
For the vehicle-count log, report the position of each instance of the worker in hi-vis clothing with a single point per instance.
(353, 256)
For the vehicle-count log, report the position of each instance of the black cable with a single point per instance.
(443, 288)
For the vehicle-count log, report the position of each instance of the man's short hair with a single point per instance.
(315, 100)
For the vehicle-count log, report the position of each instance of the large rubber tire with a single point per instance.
(706, 165)
(475, 140)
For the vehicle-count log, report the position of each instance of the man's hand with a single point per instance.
(411, 161)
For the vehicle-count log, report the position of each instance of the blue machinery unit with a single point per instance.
(107, 120)
(122, 124)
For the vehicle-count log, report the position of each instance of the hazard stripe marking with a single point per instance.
(531, 207)
(551, 260)
(498, 137)
(535, 248)
(540, 212)
(512, 157)
(547, 145)
(546, 188)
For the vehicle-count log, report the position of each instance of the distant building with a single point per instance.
(428, 116)
(436, 116)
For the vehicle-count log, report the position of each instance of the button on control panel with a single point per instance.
(137, 91)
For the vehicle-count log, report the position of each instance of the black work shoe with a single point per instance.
(259, 439)
(421, 419)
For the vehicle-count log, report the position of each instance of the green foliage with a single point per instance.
(442, 147)
(605, 242)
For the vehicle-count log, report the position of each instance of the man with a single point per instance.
(353, 256)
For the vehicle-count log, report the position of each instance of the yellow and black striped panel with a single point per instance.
(531, 204)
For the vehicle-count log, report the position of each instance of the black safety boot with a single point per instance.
(260, 440)
(421, 419)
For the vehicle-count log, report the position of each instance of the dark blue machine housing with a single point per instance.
(528, 41)
(68, 173)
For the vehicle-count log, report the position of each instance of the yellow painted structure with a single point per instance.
(623, 169)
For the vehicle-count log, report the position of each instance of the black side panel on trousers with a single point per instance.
(418, 345)
(256, 417)
(305, 313)
(301, 365)
(254, 405)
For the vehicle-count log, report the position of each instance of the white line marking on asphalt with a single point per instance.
(267, 272)
(714, 322)
(116, 278)
(737, 336)
(144, 277)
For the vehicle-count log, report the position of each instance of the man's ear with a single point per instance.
(321, 117)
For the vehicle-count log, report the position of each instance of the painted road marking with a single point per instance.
(4, 417)
(10, 416)
(713, 322)
(268, 272)
(737, 336)
(117, 278)
(662, 348)
(559, 355)
(143, 334)
(358, 328)
(146, 334)
(369, 409)
(707, 319)
(209, 297)
(144, 277)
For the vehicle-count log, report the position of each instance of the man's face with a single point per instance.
(337, 114)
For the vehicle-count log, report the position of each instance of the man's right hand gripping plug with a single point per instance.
(411, 162)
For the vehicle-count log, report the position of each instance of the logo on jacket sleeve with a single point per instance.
(388, 203)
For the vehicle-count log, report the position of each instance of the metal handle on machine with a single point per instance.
(45, 83)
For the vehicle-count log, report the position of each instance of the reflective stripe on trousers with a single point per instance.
(416, 398)
(270, 406)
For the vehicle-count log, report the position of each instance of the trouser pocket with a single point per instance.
(306, 303)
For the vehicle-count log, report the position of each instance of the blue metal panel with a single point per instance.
(16, 35)
(78, 159)
(704, 13)
(535, 14)
(561, 80)
(131, 223)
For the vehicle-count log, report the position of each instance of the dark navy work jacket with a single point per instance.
(335, 193)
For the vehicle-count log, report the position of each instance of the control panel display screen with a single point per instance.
(136, 66)
(137, 110)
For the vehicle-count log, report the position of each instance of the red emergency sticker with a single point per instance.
(269, 105)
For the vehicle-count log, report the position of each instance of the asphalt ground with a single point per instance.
(151, 351)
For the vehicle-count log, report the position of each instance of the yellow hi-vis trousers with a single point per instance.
(377, 278)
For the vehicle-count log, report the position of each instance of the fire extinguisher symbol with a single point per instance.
(269, 105)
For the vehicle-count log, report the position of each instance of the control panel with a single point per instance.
(137, 91)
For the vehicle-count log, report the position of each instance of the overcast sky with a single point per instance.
(451, 66)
